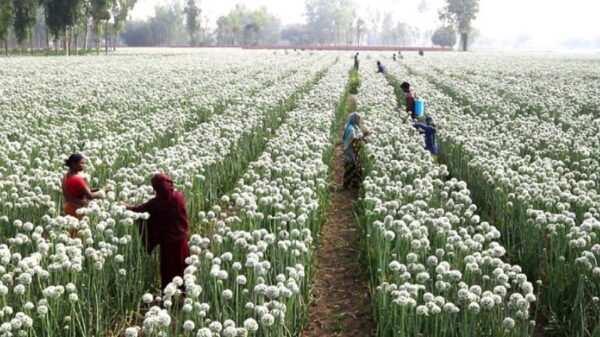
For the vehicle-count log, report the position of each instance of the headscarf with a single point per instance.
(163, 186)
(350, 128)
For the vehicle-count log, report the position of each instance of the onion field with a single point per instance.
(498, 237)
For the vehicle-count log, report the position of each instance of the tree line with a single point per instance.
(68, 25)
(328, 22)
(62, 24)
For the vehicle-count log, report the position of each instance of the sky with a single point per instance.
(537, 23)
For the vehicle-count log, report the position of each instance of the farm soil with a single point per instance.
(341, 304)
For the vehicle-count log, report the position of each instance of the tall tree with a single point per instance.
(6, 20)
(120, 9)
(99, 11)
(25, 15)
(461, 14)
(193, 20)
(84, 21)
(360, 27)
(44, 4)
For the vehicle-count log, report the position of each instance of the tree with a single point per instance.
(84, 21)
(120, 9)
(62, 15)
(44, 4)
(248, 27)
(99, 11)
(387, 29)
(167, 24)
(25, 16)
(192, 20)
(295, 34)
(330, 21)
(360, 26)
(444, 36)
(460, 13)
(6, 20)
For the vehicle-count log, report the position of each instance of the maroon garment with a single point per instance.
(410, 101)
(172, 260)
(168, 222)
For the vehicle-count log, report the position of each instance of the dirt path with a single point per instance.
(341, 303)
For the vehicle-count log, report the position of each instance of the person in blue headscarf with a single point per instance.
(428, 129)
(352, 138)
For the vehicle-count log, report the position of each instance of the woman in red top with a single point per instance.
(410, 98)
(167, 227)
(75, 190)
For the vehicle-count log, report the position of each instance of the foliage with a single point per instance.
(6, 20)
(248, 27)
(444, 36)
(295, 34)
(25, 16)
(62, 14)
(165, 28)
(193, 21)
(460, 14)
(331, 21)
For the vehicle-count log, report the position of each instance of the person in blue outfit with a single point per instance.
(428, 129)
(380, 68)
(352, 138)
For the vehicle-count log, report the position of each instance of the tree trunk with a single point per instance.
(46, 28)
(75, 42)
(115, 34)
(66, 42)
(106, 38)
(31, 39)
(464, 41)
(85, 35)
(6, 47)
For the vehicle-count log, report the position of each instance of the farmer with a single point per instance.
(167, 227)
(352, 139)
(429, 130)
(75, 190)
(394, 57)
(421, 53)
(380, 68)
(400, 54)
(410, 98)
(356, 61)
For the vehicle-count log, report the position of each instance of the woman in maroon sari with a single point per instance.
(75, 190)
(167, 227)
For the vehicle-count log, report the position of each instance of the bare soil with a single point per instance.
(341, 304)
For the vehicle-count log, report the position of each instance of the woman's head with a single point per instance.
(162, 185)
(75, 162)
(354, 119)
(405, 86)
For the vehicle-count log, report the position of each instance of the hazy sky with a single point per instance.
(545, 22)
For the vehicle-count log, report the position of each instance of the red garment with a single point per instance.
(73, 189)
(168, 222)
(172, 260)
(410, 101)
